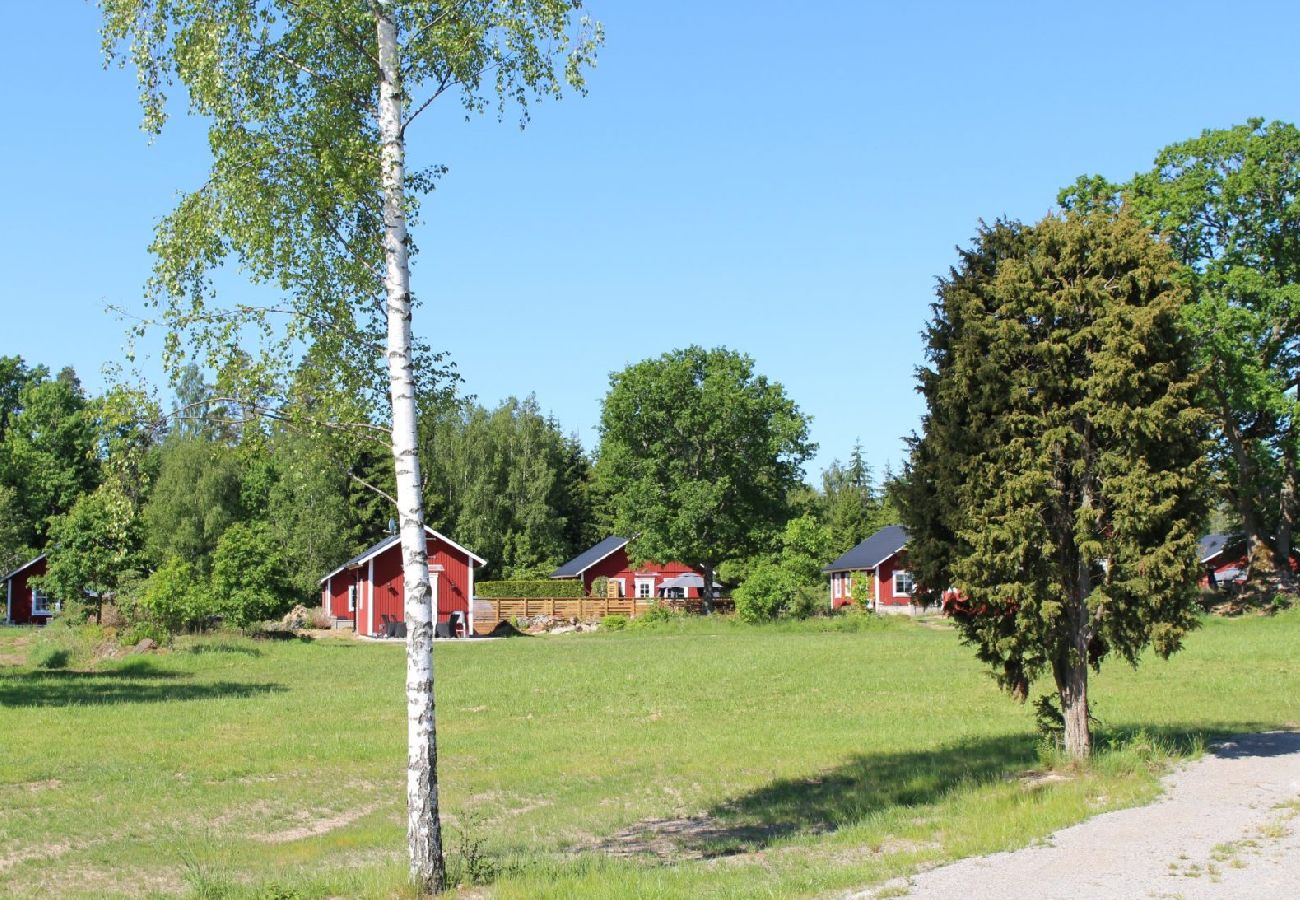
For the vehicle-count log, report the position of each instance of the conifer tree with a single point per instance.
(1058, 481)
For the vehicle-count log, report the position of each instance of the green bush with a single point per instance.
(656, 614)
(174, 598)
(142, 630)
(766, 595)
(249, 580)
(529, 588)
(614, 622)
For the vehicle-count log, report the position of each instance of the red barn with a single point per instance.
(24, 604)
(367, 590)
(609, 560)
(878, 568)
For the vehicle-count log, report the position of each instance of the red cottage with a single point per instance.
(878, 567)
(24, 604)
(1224, 563)
(366, 591)
(609, 560)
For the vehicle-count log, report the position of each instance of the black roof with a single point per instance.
(871, 552)
(588, 558)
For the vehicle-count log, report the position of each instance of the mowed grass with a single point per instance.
(703, 759)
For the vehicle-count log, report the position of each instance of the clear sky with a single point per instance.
(783, 179)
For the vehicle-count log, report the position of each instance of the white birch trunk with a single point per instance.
(424, 832)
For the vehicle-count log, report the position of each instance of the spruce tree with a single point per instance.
(1058, 481)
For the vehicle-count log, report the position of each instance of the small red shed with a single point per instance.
(25, 604)
(882, 561)
(609, 560)
(367, 590)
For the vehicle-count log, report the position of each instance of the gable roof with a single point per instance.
(23, 567)
(392, 539)
(589, 557)
(872, 552)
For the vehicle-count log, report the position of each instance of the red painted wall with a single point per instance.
(21, 597)
(1222, 564)
(617, 565)
(884, 589)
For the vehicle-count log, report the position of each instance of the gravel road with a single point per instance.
(1227, 826)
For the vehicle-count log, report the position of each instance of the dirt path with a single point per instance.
(1227, 826)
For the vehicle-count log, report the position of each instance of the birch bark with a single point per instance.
(423, 829)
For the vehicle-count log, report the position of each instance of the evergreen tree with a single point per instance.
(1058, 481)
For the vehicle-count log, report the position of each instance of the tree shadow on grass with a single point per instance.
(132, 684)
(870, 783)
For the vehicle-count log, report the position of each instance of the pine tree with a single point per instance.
(1058, 483)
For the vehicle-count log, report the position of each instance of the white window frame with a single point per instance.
(649, 585)
(836, 589)
(911, 587)
(40, 604)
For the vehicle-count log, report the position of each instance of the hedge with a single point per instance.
(533, 587)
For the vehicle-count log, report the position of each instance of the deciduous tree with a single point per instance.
(1059, 480)
(309, 105)
(699, 456)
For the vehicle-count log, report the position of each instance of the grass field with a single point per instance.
(703, 759)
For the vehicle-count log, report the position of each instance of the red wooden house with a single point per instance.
(877, 568)
(609, 560)
(24, 604)
(367, 590)
(1224, 563)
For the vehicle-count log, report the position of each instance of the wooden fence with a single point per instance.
(491, 611)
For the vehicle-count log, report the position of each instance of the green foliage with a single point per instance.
(249, 582)
(790, 584)
(94, 546)
(699, 456)
(176, 597)
(1059, 481)
(49, 456)
(852, 504)
(195, 499)
(139, 631)
(656, 615)
(614, 622)
(539, 587)
(508, 484)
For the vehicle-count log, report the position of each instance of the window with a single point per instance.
(616, 588)
(40, 604)
(645, 587)
(835, 586)
(903, 582)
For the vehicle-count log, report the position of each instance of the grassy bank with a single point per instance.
(702, 759)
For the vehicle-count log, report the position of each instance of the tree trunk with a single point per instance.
(706, 592)
(1072, 687)
(1286, 510)
(423, 829)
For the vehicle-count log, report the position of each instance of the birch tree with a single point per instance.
(309, 104)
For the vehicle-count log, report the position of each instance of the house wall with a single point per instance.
(1222, 563)
(883, 591)
(617, 565)
(451, 586)
(334, 595)
(21, 595)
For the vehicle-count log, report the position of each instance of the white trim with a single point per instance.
(46, 610)
(370, 608)
(638, 581)
(433, 587)
(9, 602)
(875, 587)
(470, 592)
(894, 584)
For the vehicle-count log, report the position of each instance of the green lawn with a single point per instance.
(705, 759)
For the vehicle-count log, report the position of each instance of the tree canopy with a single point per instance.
(1059, 480)
(698, 456)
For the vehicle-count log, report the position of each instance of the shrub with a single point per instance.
(614, 622)
(656, 614)
(141, 631)
(529, 587)
(173, 599)
(249, 576)
(766, 595)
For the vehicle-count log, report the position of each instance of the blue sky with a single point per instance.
(783, 179)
